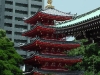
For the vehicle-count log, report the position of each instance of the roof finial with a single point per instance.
(49, 4)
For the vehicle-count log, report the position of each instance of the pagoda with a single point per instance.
(49, 55)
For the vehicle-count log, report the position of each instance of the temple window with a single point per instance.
(58, 50)
(46, 50)
(39, 47)
(53, 64)
(47, 35)
(46, 64)
(52, 36)
(52, 50)
(41, 33)
(59, 65)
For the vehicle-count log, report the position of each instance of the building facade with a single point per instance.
(12, 13)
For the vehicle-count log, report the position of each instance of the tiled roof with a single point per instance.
(60, 22)
(52, 41)
(56, 12)
(52, 12)
(55, 72)
(55, 56)
(80, 18)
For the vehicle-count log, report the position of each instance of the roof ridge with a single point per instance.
(62, 11)
(79, 16)
(57, 10)
(89, 12)
(69, 13)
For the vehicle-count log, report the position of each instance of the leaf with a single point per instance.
(9, 58)
(91, 57)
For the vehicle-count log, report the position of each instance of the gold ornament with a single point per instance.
(49, 4)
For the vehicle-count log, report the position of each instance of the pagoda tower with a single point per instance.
(49, 48)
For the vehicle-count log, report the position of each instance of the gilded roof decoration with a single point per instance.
(49, 4)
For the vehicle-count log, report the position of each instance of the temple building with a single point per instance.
(85, 26)
(49, 48)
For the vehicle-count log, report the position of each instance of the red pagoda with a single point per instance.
(49, 48)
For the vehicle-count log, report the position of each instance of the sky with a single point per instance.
(75, 6)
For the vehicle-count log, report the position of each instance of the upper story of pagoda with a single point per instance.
(48, 15)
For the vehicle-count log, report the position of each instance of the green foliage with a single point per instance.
(2, 33)
(91, 58)
(91, 73)
(9, 59)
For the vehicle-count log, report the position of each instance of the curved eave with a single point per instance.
(41, 72)
(34, 31)
(30, 46)
(60, 73)
(55, 58)
(81, 19)
(41, 43)
(55, 17)
(27, 20)
(33, 19)
(78, 24)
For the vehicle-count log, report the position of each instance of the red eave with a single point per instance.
(32, 19)
(57, 45)
(41, 59)
(38, 44)
(39, 15)
(55, 17)
(36, 31)
(62, 60)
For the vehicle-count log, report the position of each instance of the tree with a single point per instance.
(91, 58)
(9, 59)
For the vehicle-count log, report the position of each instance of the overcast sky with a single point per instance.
(75, 6)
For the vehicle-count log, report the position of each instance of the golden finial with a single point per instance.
(49, 4)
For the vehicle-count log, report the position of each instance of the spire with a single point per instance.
(49, 4)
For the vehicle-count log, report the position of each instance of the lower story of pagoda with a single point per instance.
(36, 71)
(52, 62)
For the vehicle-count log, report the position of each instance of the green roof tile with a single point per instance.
(80, 18)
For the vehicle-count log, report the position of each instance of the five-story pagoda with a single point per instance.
(49, 48)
